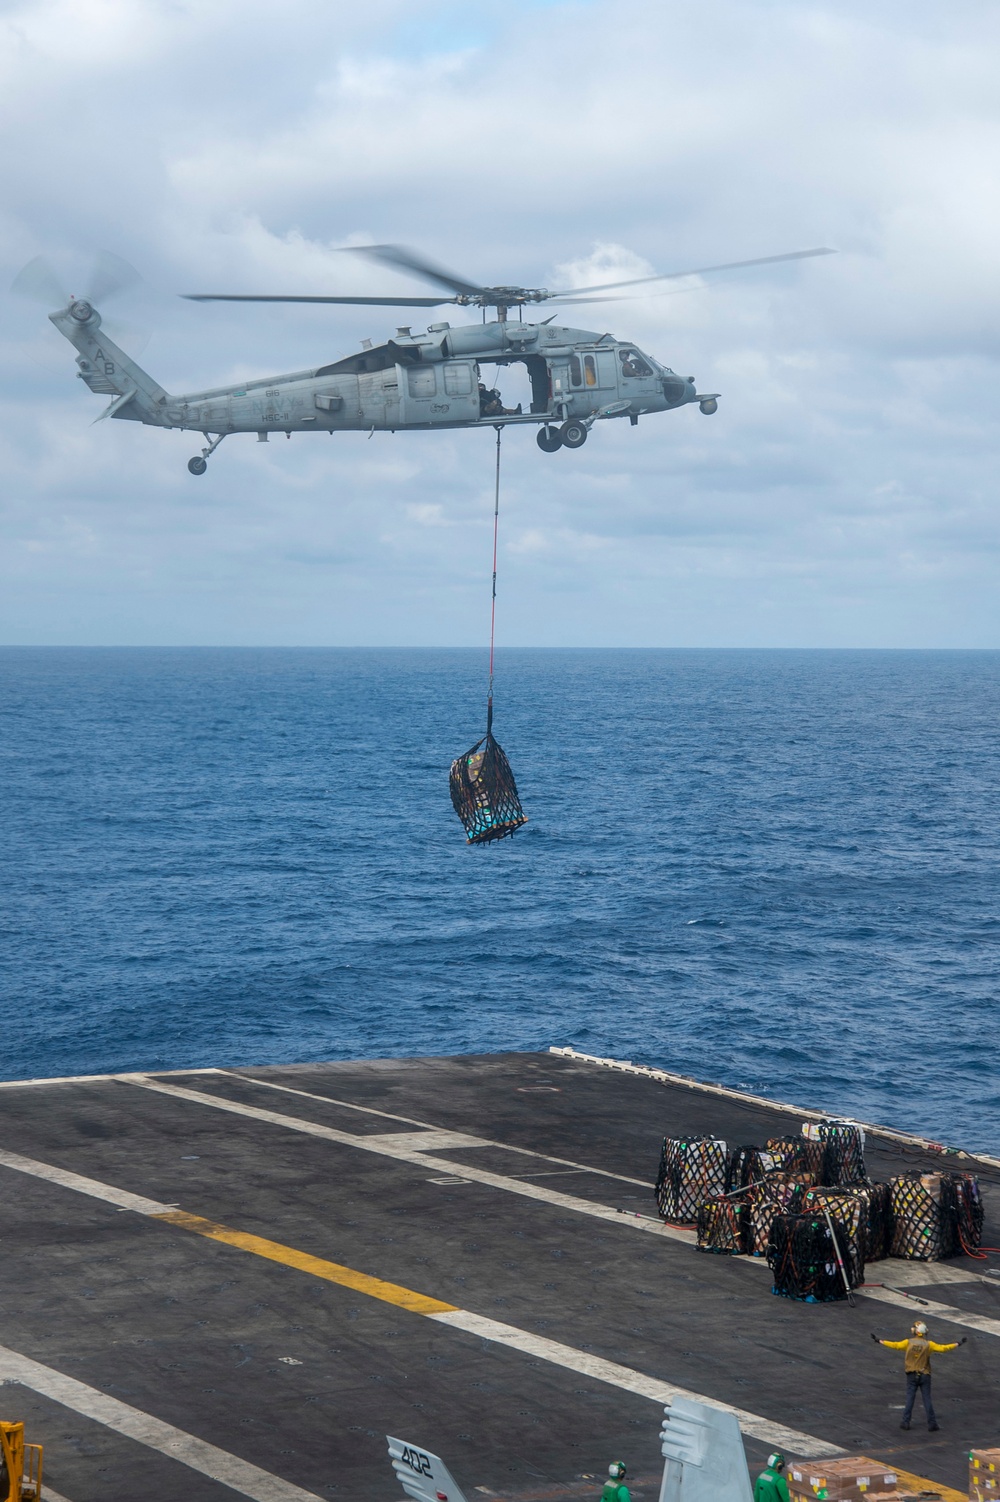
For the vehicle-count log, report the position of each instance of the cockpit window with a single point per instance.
(633, 364)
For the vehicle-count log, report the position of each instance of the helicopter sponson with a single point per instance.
(412, 382)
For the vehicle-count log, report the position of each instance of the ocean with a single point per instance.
(772, 869)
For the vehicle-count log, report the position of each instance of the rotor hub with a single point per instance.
(81, 310)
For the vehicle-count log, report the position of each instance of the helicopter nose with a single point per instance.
(676, 390)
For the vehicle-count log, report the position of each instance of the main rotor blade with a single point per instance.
(410, 260)
(39, 282)
(365, 302)
(665, 276)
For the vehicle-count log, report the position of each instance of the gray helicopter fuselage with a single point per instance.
(412, 382)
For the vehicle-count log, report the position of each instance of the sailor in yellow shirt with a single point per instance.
(918, 1369)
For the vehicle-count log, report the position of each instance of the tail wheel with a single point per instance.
(573, 434)
(548, 440)
(197, 465)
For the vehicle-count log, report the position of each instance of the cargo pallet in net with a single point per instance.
(692, 1170)
(935, 1215)
(484, 793)
(803, 1259)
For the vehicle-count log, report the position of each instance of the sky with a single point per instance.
(844, 494)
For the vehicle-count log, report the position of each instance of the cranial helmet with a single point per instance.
(616, 1470)
(920, 1328)
(776, 1461)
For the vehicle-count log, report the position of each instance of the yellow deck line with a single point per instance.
(910, 1483)
(319, 1267)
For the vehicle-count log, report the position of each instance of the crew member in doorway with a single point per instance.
(771, 1485)
(615, 1489)
(491, 404)
(918, 1369)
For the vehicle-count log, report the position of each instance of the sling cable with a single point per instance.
(483, 789)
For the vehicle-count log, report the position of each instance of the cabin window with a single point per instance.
(421, 380)
(457, 379)
(633, 364)
(575, 373)
(589, 370)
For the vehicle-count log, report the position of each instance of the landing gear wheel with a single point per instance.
(548, 440)
(197, 465)
(573, 434)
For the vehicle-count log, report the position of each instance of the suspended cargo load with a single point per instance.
(484, 793)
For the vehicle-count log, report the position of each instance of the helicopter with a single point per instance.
(411, 382)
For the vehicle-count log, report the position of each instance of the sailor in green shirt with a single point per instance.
(615, 1489)
(771, 1485)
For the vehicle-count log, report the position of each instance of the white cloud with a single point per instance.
(846, 489)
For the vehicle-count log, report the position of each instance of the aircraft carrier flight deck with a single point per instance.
(234, 1283)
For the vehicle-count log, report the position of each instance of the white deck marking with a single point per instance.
(428, 1142)
(980, 1322)
(249, 1480)
(199, 1455)
(527, 1152)
(93, 1187)
(628, 1380)
(394, 1146)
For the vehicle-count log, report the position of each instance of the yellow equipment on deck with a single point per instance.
(20, 1466)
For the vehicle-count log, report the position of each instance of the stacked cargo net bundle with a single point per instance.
(781, 1194)
(799, 1155)
(878, 1232)
(747, 1165)
(803, 1260)
(692, 1170)
(844, 1160)
(848, 1212)
(935, 1215)
(720, 1226)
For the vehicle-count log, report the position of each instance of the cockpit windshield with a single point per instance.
(633, 364)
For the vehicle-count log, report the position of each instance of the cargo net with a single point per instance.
(878, 1238)
(782, 1194)
(803, 1261)
(799, 1155)
(848, 1212)
(692, 1170)
(746, 1166)
(935, 1215)
(720, 1226)
(844, 1160)
(484, 793)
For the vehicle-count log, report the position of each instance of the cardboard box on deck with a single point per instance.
(984, 1476)
(852, 1478)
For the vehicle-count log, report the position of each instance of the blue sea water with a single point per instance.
(772, 869)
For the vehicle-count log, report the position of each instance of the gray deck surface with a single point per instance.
(192, 1331)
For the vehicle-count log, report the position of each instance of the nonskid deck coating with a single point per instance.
(264, 1357)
